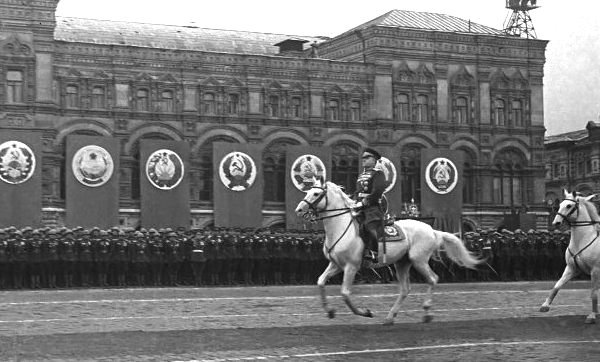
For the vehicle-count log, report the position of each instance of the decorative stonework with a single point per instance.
(16, 120)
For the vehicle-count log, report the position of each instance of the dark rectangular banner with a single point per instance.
(238, 184)
(164, 184)
(441, 187)
(305, 166)
(20, 178)
(92, 184)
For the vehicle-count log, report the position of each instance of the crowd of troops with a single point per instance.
(66, 258)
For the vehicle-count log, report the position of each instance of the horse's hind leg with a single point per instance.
(331, 270)
(403, 276)
(432, 279)
(567, 275)
(591, 318)
(349, 274)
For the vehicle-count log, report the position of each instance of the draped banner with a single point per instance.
(238, 184)
(305, 167)
(164, 184)
(92, 184)
(20, 178)
(441, 187)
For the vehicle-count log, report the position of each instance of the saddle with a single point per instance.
(393, 233)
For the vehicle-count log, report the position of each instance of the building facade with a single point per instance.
(403, 82)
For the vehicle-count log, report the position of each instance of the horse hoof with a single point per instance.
(368, 313)
(388, 322)
(331, 313)
(427, 318)
(544, 308)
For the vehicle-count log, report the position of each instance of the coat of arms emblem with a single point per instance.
(92, 165)
(307, 171)
(17, 162)
(164, 169)
(237, 171)
(441, 175)
(389, 170)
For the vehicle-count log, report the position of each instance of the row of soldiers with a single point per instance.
(51, 258)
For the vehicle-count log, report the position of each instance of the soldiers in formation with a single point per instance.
(78, 257)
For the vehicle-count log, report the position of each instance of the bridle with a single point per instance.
(313, 213)
(573, 221)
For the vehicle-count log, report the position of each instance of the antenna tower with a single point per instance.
(518, 22)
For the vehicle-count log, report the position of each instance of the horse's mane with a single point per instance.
(348, 202)
(591, 209)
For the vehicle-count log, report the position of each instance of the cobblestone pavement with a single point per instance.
(492, 321)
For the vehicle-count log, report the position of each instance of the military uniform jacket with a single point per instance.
(370, 186)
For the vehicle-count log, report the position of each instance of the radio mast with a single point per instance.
(518, 22)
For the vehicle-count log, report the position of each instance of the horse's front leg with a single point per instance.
(349, 274)
(567, 275)
(331, 270)
(591, 318)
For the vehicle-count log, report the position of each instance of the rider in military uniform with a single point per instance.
(369, 212)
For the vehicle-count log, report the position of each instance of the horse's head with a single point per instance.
(569, 209)
(314, 201)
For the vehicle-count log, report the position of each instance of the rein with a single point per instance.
(314, 208)
(574, 256)
(576, 223)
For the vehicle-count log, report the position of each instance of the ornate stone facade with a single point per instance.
(391, 87)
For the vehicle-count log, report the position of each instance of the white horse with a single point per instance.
(583, 252)
(343, 247)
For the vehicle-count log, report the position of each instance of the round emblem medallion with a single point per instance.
(92, 165)
(237, 171)
(389, 170)
(391, 231)
(17, 162)
(441, 175)
(164, 169)
(307, 171)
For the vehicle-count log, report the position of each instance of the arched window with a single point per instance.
(142, 100)
(462, 110)
(208, 101)
(345, 165)
(167, 102)
(410, 171)
(509, 179)
(98, 98)
(422, 109)
(333, 110)
(72, 96)
(499, 112)
(517, 113)
(403, 107)
(233, 103)
(274, 166)
(14, 86)
(274, 106)
(355, 111)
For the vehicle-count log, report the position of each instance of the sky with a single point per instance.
(571, 77)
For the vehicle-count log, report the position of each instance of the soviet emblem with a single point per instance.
(307, 171)
(164, 169)
(92, 165)
(441, 175)
(389, 170)
(237, 171)
(17, 162)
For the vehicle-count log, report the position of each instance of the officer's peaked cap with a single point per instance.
(372, 152)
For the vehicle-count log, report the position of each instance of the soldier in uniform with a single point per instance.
(197, 258)
(18, 257)
(172, 259)
(247, 257)
(102, 257)
(155, 246)
(34, 253)
(85, 257)
(119, 257)
(139, 257)
(368, 210)
(4, 254)
(50, 259)
(67, 256)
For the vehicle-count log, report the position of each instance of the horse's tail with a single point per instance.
(457, 251)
